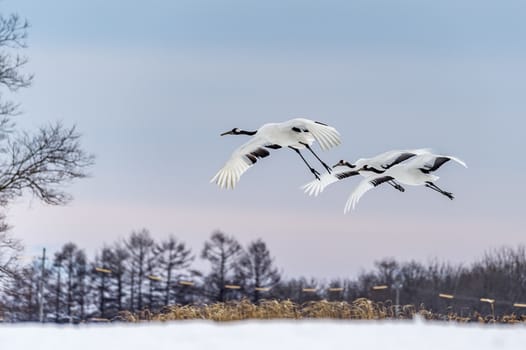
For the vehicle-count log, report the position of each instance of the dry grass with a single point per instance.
(360, 309)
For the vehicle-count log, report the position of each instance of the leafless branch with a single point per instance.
(13, 34)
(9, 250)
(42, 163)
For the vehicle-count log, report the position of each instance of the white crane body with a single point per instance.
(295, 134)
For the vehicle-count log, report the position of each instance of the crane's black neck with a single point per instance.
(374, 170)
(246, 132)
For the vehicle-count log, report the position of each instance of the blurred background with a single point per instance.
(152, 85)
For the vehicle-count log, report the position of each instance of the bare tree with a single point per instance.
(223, 253)
(172, 256)
(9, 249)
(40, 162)
(117, 261)
(256, 270)
(21, 294)
(140, 247)
(73, 261)
(13, 34)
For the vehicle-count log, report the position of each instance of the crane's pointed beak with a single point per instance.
(226, 133)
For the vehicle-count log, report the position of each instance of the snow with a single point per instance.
(268, 335)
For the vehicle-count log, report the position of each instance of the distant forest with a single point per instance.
(140, 273)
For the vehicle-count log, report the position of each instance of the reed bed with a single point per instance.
(360, 309)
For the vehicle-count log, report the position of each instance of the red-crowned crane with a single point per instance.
(295, 134)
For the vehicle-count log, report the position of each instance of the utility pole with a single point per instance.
(397, 285)
(41, 288)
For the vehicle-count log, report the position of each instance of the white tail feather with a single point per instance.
(315, 187)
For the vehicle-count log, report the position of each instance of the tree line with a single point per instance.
(140, 273)
(134, 274)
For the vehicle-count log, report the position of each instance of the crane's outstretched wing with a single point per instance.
(391, 158)
(362, 188)
(428, 163)
(326, 135)
(243, 158)
(315, 187)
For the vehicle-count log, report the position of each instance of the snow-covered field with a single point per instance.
(269, 335)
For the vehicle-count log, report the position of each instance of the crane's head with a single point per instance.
(344, 163)
(234, 131)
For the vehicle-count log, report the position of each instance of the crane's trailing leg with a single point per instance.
(439, 190)
(314, 171)
(328, 168)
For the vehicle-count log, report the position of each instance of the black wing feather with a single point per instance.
(346, 174)
(401, 158)
(380, 180)
(439, 161)
(257, 154)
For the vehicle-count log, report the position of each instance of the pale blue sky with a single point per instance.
(152, 84)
